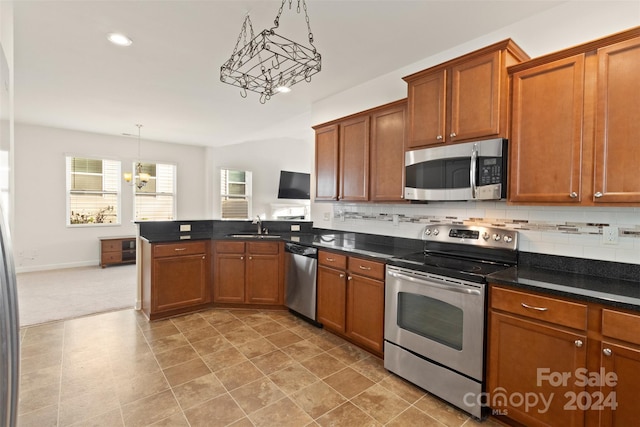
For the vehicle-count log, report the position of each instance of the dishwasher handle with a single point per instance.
(305, 251)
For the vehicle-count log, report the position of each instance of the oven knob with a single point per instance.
(485, 236)
(436, 232)
(507, 238)
(496, 237)
(427, 232)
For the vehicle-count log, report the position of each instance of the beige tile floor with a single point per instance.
(213, 368)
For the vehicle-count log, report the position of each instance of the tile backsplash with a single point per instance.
(567, 231)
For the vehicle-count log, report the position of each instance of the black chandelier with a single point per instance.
(269, 63)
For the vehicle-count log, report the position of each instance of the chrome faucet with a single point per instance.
(259, 222)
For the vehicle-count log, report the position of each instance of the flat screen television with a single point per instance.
(294, 185)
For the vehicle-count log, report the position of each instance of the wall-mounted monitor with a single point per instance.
(294, 185)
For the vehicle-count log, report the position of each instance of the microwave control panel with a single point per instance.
(490, 171)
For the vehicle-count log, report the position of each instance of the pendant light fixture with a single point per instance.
(268, 63)
(141, 178)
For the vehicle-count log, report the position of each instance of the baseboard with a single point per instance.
(95, 263)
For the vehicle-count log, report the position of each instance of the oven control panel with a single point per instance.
(472, 235)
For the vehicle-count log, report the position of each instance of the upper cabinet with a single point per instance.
(360, 157)
(463, 99)
(576, 121)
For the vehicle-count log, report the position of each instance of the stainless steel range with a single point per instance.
(435, 309)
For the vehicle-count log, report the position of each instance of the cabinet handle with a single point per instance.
(341, 276)
(349, 278)
(453, 135)
(598, 195)
(573, 195)
(607, 352)
(362, 267)
(241, 257)
(330, 259)
(578, 343)
(204, 257)
(180, 249)
(250, 257)
(439, 137)
(534, 308)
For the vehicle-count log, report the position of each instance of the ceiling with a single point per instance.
(67, 75)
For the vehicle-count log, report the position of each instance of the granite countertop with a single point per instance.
(612, 286)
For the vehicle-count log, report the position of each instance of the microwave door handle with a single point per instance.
(473, 170)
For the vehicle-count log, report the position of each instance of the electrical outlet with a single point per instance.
(327, 216)
(295, 227)
(185, 227)
(396, 219)
(610, 235)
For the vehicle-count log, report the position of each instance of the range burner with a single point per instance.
(462, 251)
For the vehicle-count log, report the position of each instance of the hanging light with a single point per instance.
(269, 63)
(142, 177)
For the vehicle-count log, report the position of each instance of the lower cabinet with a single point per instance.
(175, 278)
(351, 298)
(248, 273)
(555, 362)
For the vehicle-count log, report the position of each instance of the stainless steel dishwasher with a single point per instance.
(300, 280)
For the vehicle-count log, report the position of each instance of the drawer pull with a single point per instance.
(362, 267)
(349, 278)
(534, 308)
(241, 257)
(180, 249)
(607, 352)
(578, 343)
(330, 259)
(341, 276)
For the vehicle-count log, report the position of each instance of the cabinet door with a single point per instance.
(263, 279)
(327, 143)
(624, 362)
(229, 275)
(387, 154)
(518, 349)
(332, 298)
(546, 143)
(365, 311)
(475, 98)
(427, 97)
(179, 282)
(617, 152)
(354, 159)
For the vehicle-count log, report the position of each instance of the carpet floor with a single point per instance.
(46, 296)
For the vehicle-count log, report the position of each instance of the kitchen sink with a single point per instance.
(254, 236)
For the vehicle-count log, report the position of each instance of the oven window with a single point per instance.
(431, 318)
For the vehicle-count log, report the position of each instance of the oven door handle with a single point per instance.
(460, 289)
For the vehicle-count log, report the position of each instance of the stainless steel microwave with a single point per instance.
(467, 171)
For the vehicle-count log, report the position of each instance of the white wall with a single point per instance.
(569, 24)
(265, 159)
(41, 239)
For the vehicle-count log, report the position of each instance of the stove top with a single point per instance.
(463, 251)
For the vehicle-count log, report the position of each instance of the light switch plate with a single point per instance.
(185, 227)
(295, 227)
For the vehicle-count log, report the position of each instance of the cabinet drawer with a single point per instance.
(229, 247)
(270, 248)
(560, 312)
(366, 267)
(623, 326)
(177, 249)
(331, 259)
(111, 245)
(111, 257)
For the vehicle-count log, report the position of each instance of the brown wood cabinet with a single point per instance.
(574, 130)
(247, 272)
(351, 298)
(360, 157)
(175, 278)
(463, 99)
(535, 339)
(117, 250)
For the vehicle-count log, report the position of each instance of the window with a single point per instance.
(93, 191)
(235, 194)
(156, 200)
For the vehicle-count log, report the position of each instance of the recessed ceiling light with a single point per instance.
(119, 39)
(283, 89)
